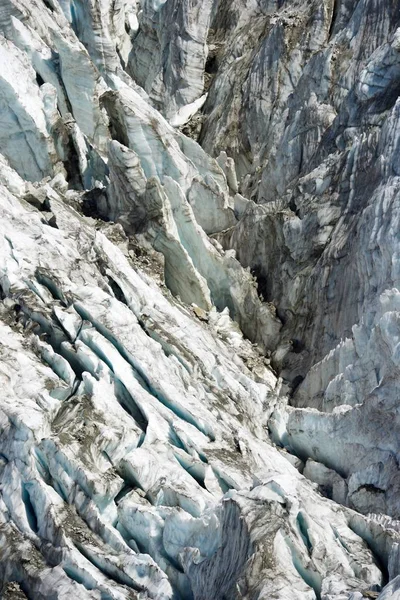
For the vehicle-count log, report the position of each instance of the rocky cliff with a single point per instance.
(199, 299)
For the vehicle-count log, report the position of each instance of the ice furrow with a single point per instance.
(144, 378)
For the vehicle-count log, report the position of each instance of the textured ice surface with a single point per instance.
(147, 448)
(135, 443)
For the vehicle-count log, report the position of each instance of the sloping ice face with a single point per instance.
(199, 305)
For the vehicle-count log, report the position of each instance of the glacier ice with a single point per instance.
(199, 338)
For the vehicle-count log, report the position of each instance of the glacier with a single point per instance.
(199, 299)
